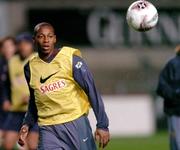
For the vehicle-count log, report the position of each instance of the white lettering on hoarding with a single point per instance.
(109, 28)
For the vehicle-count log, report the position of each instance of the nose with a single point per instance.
(46, 39)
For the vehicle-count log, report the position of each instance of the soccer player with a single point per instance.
(62, 91)
(169, 89)
(19, 95)
(8, 48)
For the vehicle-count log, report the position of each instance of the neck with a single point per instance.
(48, 57)
(23, 57)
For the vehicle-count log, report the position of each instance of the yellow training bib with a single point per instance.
(58, 97)
(19, 87)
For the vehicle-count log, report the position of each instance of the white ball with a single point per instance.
(142, 15)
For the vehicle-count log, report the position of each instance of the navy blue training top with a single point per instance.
(84, 78)
(169, 86)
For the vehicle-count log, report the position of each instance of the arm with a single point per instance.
(31, 115)
(84, 78)
(164, 88)
(5, 86)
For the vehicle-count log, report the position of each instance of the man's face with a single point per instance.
(8, 49)
(45, 40)
(25, 48)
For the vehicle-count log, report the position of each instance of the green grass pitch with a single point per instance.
(158, 141)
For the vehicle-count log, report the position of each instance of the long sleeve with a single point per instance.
(84, 78)
(31, 115)
(165, 88)
(4, 81)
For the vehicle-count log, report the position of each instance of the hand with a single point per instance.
(23, 134)
(6, 105)
(103, 137)
(25, 100)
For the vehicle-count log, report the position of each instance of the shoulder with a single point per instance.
(69, 51)
(169, 65)
(170, 61)
(77, 59)
(79, 64)
(14, 59)
(176, 60)
(33, 58)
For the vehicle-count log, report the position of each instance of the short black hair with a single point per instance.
(26, 36)
(39, 25)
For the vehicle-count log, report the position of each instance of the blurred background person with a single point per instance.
(19, 95)
(169, 89)
(8, 49)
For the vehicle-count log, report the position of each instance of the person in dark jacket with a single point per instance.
(169, 89)
(8, 48)
(19, 95)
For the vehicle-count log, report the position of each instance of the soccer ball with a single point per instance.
(142, 15)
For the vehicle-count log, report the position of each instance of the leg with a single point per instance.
(3, 116)
(32, 140)
(1, 137)
(177, 131)
(10, 140)
(12, 127)
(85, 134)
(172, 134)
(48, 139)
(76, 135)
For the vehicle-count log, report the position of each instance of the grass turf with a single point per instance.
(158, 141)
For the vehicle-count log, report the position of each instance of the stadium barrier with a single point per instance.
(129, 115)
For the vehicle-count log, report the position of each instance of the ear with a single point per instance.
(55, 40)
(33, 39)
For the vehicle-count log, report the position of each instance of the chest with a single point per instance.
(50, 76)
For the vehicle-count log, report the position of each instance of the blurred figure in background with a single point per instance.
(8, 48)
(169, 89)
(19, 95)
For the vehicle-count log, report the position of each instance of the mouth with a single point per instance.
(45, 46)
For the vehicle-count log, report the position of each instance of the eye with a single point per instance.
(50, 36)
(40, 36)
